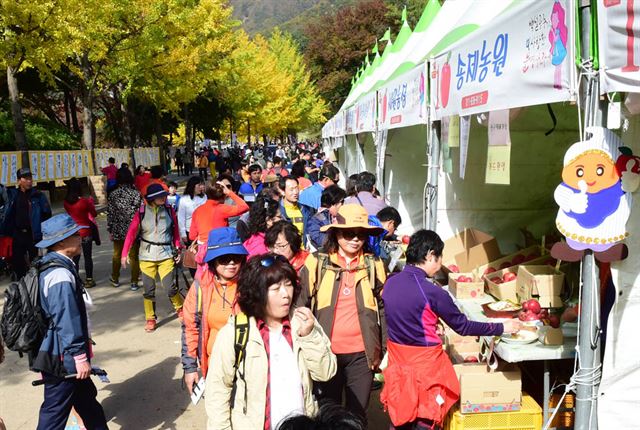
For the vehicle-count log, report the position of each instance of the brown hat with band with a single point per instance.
(353, 216)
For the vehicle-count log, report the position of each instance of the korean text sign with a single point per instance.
(403, 101)
(523, 57)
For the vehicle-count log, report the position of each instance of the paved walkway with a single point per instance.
(145, 390)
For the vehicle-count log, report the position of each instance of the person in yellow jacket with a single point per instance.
(286, 350)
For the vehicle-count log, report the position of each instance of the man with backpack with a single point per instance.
(65, 349)
(156, 227)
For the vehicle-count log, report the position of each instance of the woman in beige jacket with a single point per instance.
(264, 388)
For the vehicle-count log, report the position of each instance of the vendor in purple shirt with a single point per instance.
(365, 188)
(413, 305)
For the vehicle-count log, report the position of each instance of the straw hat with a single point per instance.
(353, 216)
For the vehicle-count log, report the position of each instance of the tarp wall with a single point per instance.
(405, 174)
(536, 165)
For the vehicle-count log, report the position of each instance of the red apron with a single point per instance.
(419, 383)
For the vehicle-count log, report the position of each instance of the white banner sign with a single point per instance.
(619, 45)
(350, 120)
(523, 57)
(403, 101)
(338, 124)
(366, 114)
(147, 156)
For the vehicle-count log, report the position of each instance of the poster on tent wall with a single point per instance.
(366, 114)
(403, 101)
(619, 45)
(524, 57)
(350, 120)
(10, 162)
(338, 124)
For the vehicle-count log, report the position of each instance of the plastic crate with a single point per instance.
(527, 418)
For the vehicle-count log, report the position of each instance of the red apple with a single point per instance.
(623, 160)
(454, 268)
(554, 321)
(497, 280)
(406, 239)
(525, 305)
(530, 316)
(534, 306)
(508, 277)
(544, 313)
(505, 265)
(522, 315)
(463, 278)
(518, 259)
(471, 359)
(489, 270)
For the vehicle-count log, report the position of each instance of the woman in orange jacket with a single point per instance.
(210, 301)
(214, 213)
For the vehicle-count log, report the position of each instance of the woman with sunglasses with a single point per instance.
(343, 288)
(263, 214)
(284, 238)
(210, 301)
(419, 371)
(285, 351)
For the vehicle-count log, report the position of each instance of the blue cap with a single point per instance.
(154, 191)
(223, 241)
(56, 229)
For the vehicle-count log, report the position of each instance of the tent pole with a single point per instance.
(434, 167)
(589, 341)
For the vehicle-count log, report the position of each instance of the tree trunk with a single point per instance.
(249, 132)
(67, 114)
(187, 128)
(16, 112)
(74, 113)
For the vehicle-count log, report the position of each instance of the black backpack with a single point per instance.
(23, 323)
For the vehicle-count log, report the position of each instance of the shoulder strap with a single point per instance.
(198, 296)
(321, 268)
(370, 264)
(240, 337)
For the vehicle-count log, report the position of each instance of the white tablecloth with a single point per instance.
(515, 353)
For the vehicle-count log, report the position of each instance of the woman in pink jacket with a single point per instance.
(264, 213)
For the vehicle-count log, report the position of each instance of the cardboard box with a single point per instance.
(543, 283)
(483, 391)
(466, 290)
(531, 255)
(504, 291)
(469, 249)
(460, 348)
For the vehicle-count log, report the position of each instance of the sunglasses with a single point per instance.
(230, 258)
(269, 260)
(350, 234)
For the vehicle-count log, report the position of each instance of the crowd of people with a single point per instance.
(291, 308)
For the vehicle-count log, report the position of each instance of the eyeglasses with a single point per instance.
(269, 260)
(281, 245)
(230, 258)
(349, 234)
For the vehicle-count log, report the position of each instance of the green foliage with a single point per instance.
(41, 134)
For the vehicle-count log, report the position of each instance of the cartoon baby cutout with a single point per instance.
(595, 198)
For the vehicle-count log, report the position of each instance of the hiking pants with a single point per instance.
(354, 378)
(165, 271)
(87, 246)
(62, 395)
(118, 245)
(24, 251)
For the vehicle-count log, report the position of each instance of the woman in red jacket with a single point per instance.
(214, 213)
(83, 212)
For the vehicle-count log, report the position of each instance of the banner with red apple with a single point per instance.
(403, 101)
(524, 58)
(618, 45)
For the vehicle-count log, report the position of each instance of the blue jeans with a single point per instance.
(61, 395)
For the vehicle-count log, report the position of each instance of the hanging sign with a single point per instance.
(10, 162)
(499, 128)
(465, 127)
(525, 57)
(454, 132)
(598, 177)
(403, 101)
(498, 169)
(366, 114)
(121, 156)
(58, 165)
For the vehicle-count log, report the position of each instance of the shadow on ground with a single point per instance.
(157, 389)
